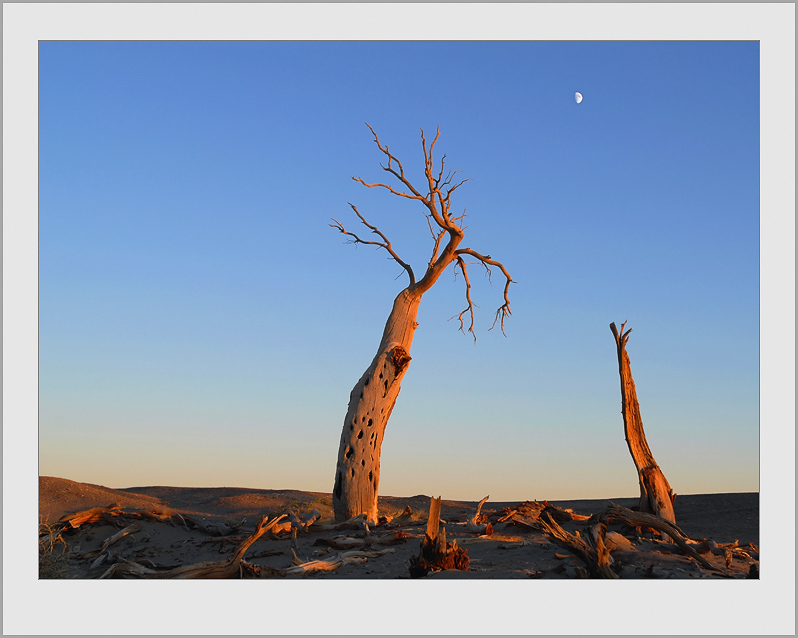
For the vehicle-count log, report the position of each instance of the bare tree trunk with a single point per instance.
(656, 495)
(357, 475)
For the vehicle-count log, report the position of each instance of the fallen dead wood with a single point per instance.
(213, 529)
(594, 553)
(354, 557)
(91, 515)
(525, 515)
(356, 522)
(115, 538)
(349, 542)
(227, 568)
(436, 553)
(617, 514)
(112, 515)
(478, 523)
(341, 542)
(397, 518)
(295, 523)
(389, 538)
(729, 551)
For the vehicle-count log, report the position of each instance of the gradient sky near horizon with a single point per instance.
(201, 324)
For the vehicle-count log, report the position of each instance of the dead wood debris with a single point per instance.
(526, 515)
(295, 523)
(114, 515)
(210, 569)
(133, 527)
(350, 542)
(354, 557)
(398, 518)
(594, 547)
(593, 551)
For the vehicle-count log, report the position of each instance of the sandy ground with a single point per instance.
(512, 551)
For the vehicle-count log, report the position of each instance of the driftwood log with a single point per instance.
(436, 553)
(656, 495)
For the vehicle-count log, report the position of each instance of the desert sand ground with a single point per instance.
(191, 520)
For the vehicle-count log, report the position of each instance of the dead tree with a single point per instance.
(357, 474)
(656, 495)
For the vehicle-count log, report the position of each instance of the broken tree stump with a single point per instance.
(656, 495)
(436, 553)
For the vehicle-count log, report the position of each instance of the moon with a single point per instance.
(578, 97)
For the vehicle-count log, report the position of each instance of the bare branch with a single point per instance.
(503, 311)
(470, 307)
(435, 249)
(400, 175)
(390, 188)
(385, 243)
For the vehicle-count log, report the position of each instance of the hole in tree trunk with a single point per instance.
(353, 471)
(349, 452)
(363, 462)
(371, 422)
(360, 434)
(370, 476)
(338, 486)
(366, 383)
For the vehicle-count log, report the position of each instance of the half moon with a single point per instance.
(578, 97)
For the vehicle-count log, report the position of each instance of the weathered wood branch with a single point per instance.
(617, 514)
(470, 307)
(385, 243)
(91, 515)
(114, 538)
(656, 495)
(504, 310)
(594, 554)
(354, 557)
(478, 523)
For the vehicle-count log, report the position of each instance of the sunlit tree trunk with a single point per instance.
(656, 495)
(371, 402)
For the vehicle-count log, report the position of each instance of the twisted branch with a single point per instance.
(470, 307)
(385, 243)
(438, 204)
(504, 310)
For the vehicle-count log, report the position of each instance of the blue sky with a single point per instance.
(201, 324)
